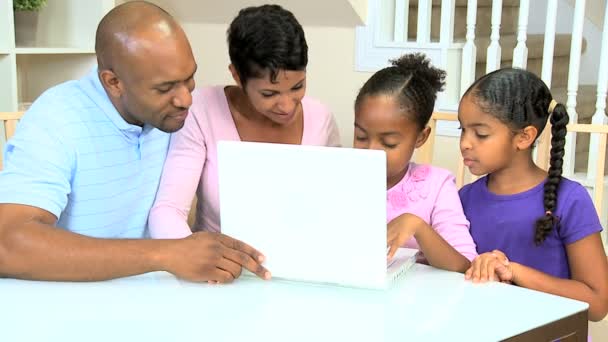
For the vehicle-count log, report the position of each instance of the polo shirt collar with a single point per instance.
(93, 88)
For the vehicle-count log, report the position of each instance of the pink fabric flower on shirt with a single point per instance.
(413, 188)
(397, 198)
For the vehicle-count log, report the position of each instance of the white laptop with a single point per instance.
(317, 213)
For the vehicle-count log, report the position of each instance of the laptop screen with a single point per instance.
(317, 213)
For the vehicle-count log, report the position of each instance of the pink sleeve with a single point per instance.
(449, 221)
(181, 175)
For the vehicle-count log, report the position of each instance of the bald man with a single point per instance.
(83, 168)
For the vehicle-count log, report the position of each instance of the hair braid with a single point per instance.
(544, 225)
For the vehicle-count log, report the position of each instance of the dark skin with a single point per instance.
(381, 124)
(513, 171)
(135, 77)
(266, 111)
(149, 73)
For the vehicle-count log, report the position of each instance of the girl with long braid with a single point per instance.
(532, 228)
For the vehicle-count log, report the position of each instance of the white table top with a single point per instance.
(427, 305)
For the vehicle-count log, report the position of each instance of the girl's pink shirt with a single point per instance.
(430, 193)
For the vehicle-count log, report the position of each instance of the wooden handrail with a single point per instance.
(543, 148)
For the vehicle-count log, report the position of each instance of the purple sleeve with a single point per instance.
(578, 218)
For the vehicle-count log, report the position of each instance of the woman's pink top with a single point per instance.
(191, 165)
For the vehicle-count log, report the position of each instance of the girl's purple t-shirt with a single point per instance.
(507, 223)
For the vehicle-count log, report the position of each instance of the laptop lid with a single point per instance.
(317, 213)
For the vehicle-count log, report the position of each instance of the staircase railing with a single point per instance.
(391, 39)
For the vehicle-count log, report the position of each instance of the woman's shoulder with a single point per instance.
(315, 108)
(208, 95)
(209, 101)
(319, 124)
(209, 111)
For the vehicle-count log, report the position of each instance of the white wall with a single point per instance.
(331, 76)
(338, 13)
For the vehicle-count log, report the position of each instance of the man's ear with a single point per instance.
(423, 136)
(526, 137)
(111, 83)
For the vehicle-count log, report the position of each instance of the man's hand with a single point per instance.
(211, 257)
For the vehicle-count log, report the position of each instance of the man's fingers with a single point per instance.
(219, 276)
(244, 255)
(230, 266)
(242, 247)
(246, 261)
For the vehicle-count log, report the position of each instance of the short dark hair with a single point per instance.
(266, 38)
(412, 81)
(519, 98)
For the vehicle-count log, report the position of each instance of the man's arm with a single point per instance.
(31, 247)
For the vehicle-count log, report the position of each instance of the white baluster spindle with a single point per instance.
(600, 106)
(573, 80)
(446, 34)
(549, 45)
(469, 51)
(425, 8)
(546, 75)
(446, 40)
(494, 52)
(600, 113)
(402, 13)
(520, 54)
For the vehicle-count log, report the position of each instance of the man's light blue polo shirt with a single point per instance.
(76, 157)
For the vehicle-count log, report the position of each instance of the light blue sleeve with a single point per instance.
(37, 166)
